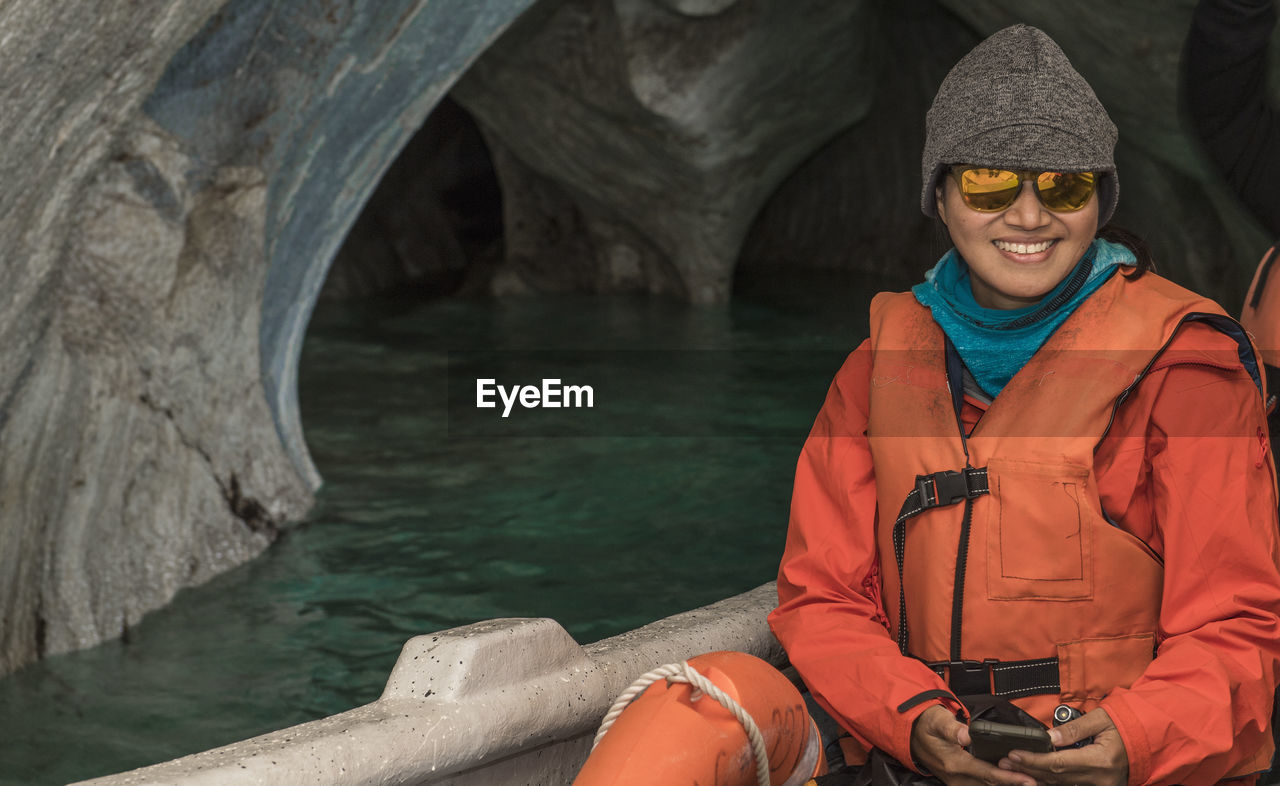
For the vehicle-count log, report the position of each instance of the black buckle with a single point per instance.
(967, 677)
(944, 488)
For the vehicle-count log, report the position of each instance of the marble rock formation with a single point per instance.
(177, 178)
(157, 319)
(635, 140)
(67, 431)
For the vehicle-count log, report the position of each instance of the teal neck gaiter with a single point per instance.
(996, 343)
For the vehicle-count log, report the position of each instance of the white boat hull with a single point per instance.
(509, 701)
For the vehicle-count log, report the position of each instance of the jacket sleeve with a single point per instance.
(830, 618)
(1224, 94)
(1202, 707)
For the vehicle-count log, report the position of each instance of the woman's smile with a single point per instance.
(1025, 250)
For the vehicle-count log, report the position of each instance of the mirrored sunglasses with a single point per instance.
(992, 190)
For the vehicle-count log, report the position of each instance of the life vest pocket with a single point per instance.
(1091, 668)
(1039, 531)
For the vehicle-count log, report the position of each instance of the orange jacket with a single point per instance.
(1183, 472)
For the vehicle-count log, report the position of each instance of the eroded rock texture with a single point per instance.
(320, 95)
(176, 180)
(74, 75)
(854, 204)
(157, 323)
(663, 127)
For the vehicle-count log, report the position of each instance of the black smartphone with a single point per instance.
(992, 741)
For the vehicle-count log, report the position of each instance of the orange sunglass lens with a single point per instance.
(1065, 191)
(989, 189)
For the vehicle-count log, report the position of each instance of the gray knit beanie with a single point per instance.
(1015, 102)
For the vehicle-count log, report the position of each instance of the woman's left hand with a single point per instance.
(1103, 762)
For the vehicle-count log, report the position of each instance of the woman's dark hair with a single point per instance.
(1141, 251)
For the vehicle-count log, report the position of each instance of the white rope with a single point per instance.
(683, 672)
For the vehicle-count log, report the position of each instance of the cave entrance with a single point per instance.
(433, 225)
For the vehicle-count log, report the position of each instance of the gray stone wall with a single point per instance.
(75, 74)
(177, 180)
(663, 127)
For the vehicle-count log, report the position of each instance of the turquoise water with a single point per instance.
(671, 493)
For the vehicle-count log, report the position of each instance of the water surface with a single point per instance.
(672, 493)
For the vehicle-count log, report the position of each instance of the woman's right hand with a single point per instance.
(938, 744)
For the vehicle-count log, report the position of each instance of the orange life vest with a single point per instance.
(1017, 562)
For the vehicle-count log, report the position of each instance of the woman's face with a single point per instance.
(1018, 255)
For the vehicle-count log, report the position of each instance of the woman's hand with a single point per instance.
(938, 744)
(1103, 763)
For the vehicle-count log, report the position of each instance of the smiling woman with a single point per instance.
(1029, 454)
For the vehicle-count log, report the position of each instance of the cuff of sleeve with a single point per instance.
(1132, 733)
(911, 709)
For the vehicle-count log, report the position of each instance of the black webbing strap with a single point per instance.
(1009, 679)
(931, 491)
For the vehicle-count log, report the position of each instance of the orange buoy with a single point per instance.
(679, 733)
